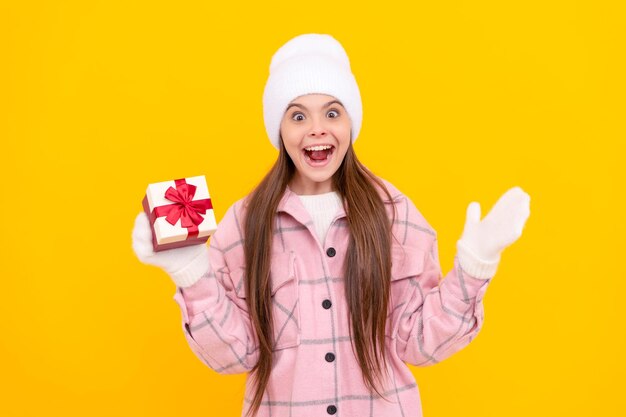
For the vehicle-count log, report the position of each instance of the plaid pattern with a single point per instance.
(315, 371)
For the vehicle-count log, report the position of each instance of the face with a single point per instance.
(315, 129)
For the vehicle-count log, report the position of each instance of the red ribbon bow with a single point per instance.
(184, 207)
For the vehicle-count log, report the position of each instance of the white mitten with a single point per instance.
(184, 265)
(482, 241)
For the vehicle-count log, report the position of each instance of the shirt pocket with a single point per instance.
(407, 264)
(285, 300)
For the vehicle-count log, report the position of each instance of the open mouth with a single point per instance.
(318, 154)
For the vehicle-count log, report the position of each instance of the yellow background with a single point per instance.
(462, 100)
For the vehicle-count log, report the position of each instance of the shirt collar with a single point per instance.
(291, 204)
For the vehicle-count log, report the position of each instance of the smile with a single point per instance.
(318, 155)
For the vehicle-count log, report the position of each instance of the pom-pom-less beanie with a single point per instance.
(308, 64)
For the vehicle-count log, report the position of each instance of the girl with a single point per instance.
(324, 282)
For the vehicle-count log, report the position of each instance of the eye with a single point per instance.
(296, 114)
(334, 112)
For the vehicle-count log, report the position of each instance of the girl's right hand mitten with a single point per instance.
(184, 265)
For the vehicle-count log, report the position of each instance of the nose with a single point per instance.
(318, 129)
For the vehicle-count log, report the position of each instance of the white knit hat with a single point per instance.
(309, 63)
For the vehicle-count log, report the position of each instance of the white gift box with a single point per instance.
(180, 212)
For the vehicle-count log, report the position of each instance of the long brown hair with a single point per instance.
(367, 265)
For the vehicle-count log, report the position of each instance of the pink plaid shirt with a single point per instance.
(315, 372)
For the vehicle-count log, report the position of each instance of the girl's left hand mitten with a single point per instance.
(482, 241)
(184, 265)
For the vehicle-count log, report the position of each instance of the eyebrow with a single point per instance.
(303, 107)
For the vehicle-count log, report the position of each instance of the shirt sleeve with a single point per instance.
(215, 321)
(438, 316)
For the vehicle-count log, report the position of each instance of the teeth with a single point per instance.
(318, 148)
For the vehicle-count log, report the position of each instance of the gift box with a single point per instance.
(180, 212)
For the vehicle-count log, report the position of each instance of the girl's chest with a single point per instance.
(313, 260)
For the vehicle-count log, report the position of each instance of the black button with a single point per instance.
(330, 357)
(326, 304)
(331, 252)
(331, 409)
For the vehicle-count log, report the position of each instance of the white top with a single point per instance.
(322, 208)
